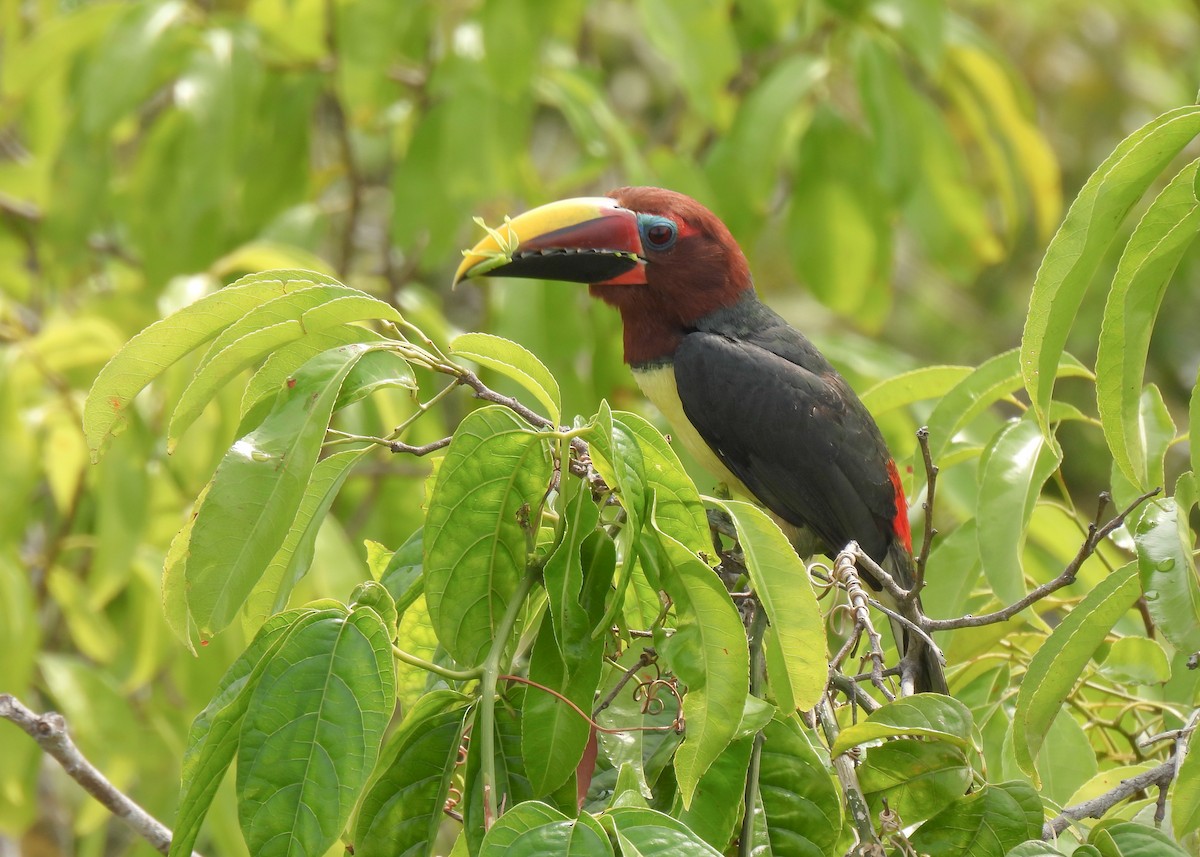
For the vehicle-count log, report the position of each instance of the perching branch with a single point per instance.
(856, 802)
(1098, 806)
(1096, 534)
(49, 730)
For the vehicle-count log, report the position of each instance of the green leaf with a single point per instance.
(802, 805)
(1066, 760)
(159, 346)
(929, 715)
(404, 576)
(1168, 573)
(1079, 246)
(1058, 664)
(647, 833)
(928, 382)
(986, 823)
(717, 802)
(257, 489)
(1149, 261)
(533, 828)
(401, 812)
(1012, 471)
(796, 650)
(1129, 839)
(838, 223)
(1185, 793)
(708, 652)
(213, 738)
(744, 165)
(566, 657)
(1194, 420)
(495, 471)
(312, 733)
(291, 562)
(1136, 660)
(1037, 848)
(918, 779)
(553, 735)
(516, 362)
(700, 49)
(377, 370)
(280, 364)
(267, 328)
(678, 509)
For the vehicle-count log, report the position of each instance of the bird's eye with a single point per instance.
(659, 232)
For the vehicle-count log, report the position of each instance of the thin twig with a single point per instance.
(49, 730)
(648, 657)
(931, 474)
(1096, 534)
(675, 726)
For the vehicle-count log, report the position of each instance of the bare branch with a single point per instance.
(1098, 806)
(1096, 534)
(931, 474)
(49, 730)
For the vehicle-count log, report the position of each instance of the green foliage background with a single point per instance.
(894, 170)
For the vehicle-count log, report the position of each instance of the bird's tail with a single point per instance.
(928, 675)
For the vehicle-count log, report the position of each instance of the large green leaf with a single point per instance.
(708, 652)
(1167, 569)
(717, 803)
(312, 733)
(267, 380)
(532, 829)
(517, 362)
(1060, 661)
(928, 382)
(1079, 246)
(257, 489)
(401, 811)
(986, 823)
(929, 715)
(1185, 793)
(647, 833)
(152, 351)
(268, 328)
(495, 471)
(700, 50)
(566, 657)
(796, 650)
(994, 379)
(1129, 839)
(1165, 232)
(213, 739)
(1012, 471)
(677, 509)
(916, 778)
(840, 235)
(800, 799)
(291, 561)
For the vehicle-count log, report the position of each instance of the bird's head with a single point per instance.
(663, 259)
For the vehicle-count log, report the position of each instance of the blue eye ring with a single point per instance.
(658, 233)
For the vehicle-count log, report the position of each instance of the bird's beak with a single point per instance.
(583, 240)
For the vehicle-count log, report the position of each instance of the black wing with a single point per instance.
(785, 423)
